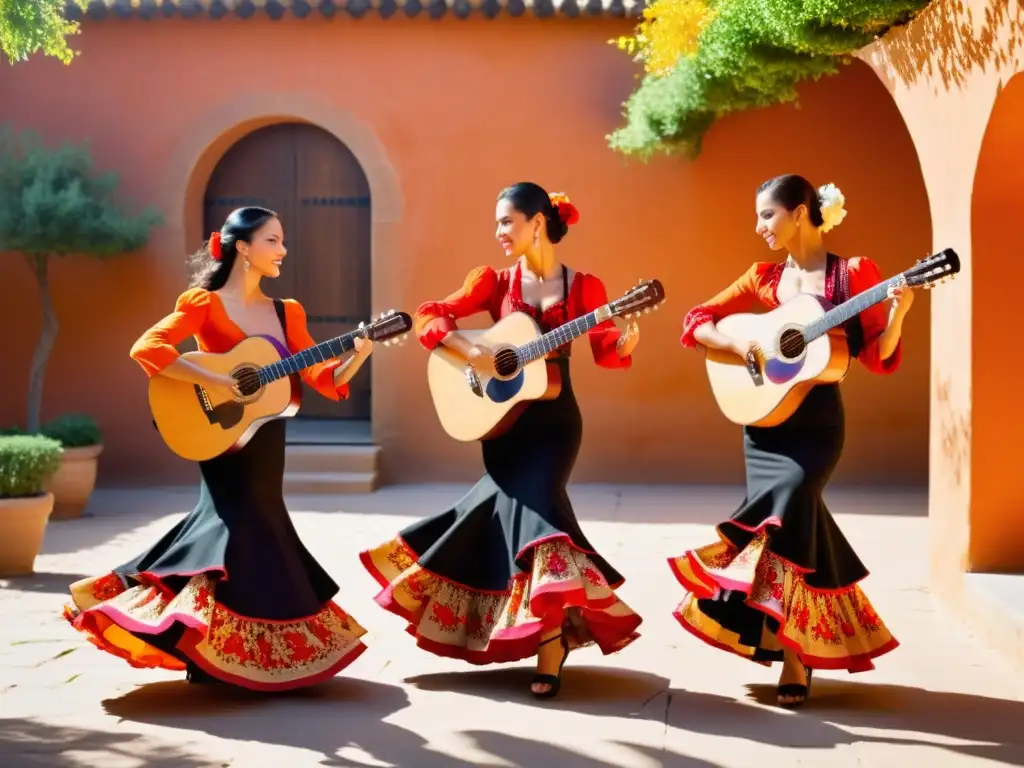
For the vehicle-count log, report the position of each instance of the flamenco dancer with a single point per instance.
(229, 594)
(782, 584)
(507, 573)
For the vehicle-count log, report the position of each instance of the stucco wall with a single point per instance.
(442, 114)
(953, 76)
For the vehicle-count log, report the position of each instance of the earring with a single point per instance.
(246, 266)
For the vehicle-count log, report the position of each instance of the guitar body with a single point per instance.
(199, 425)
(771, 398)
(467, 416)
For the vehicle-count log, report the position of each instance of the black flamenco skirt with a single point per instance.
(782, 575)
(230, 590)
(483, 580)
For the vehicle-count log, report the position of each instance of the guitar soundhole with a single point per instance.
(248, 381)
(506, 363)
(791, 344)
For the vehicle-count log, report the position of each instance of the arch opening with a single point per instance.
(997, 204)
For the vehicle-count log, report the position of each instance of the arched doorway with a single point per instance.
(997, 205)
(320, 190)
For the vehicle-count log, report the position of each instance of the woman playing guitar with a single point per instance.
(507, 573)
(229, 594)
(782, 584)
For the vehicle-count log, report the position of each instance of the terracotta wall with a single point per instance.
(953, 76)
(499, 101)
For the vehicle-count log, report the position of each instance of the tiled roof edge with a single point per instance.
(279, 9)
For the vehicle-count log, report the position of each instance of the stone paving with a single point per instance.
(941, 699)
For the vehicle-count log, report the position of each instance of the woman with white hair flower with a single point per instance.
(782, 583)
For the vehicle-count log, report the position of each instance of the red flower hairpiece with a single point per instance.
(215, 246)
(566, 210)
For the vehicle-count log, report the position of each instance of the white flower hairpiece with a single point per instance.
(832, 210)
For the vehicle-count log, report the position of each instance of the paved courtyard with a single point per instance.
(941, 699)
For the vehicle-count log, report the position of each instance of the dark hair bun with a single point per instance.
(557, 229)
(530, 199)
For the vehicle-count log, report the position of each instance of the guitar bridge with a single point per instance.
(226, 414)
(474, 381)
(754, 369)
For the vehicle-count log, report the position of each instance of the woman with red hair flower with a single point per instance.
(507, 573)
(230, 594)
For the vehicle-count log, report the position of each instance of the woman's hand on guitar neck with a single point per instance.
(628, 341)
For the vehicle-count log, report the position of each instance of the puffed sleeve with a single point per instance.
(603, 337)
(742, 296)
(864, 275)
(320, 376)
(157, 347)
(436, 319)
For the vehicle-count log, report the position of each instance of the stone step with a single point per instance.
(331, 458)
(329, 482)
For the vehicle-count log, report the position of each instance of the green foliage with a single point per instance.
(27, 462)
(52, 203)
(27, 26)
(73, 430)
(750, 54)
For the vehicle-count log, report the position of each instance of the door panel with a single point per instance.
(317, 186)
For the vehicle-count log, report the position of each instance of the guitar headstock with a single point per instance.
(641, 298)
(388, 328)
(933, 270)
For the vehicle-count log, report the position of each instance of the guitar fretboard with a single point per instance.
(552, 340)
(320, 353)
(849, 309)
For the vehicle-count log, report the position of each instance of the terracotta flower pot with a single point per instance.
(74, 482)
(22, 526)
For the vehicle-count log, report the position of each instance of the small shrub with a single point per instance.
(73, 430)
(27, 462)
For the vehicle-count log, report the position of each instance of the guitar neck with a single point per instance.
(319, 353)
(850, 309)
(562, 335)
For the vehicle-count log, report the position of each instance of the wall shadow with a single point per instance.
(947, 42)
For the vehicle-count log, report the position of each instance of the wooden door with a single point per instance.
(317, 186)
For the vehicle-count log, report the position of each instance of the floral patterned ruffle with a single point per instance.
(563, 588)
(829, 629)
(259, 654)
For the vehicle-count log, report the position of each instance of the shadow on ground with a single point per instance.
(839, 712)
(48, 583)
(339, 715)
(26, 742)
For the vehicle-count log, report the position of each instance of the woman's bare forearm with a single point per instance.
(187, 371)
(709, 336)
(456, 342)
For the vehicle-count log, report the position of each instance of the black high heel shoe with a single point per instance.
(795, 691)
(196, 675)
(555, 681)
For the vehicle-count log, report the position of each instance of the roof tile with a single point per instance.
(279, 9)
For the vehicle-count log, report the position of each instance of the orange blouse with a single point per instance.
(499, 293)
(759, 286)
(200, 313)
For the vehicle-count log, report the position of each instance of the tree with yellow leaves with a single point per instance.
(705, 58)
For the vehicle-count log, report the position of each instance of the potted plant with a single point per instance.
(73, 484)
(27, 462)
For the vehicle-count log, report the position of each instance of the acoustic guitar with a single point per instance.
(474, 407)
(798, 348)
(199, 425)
